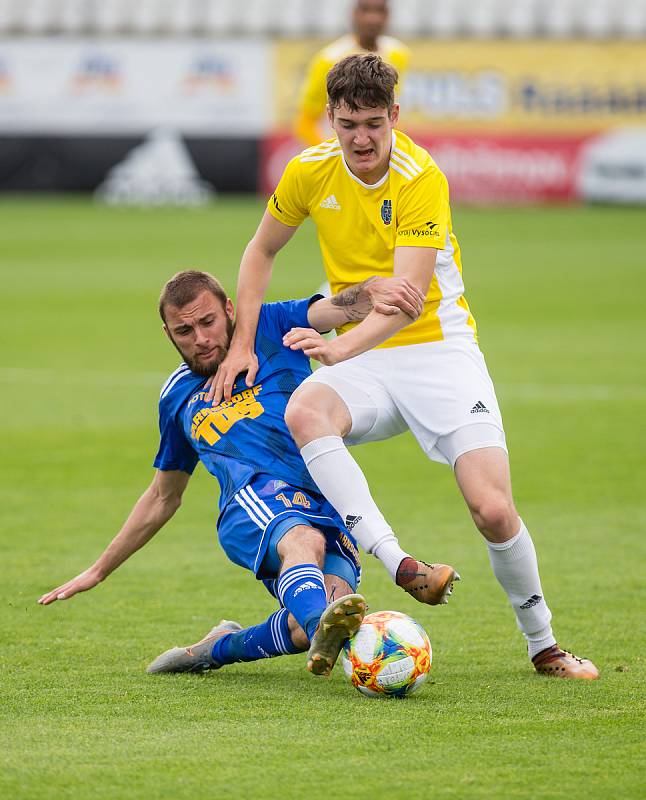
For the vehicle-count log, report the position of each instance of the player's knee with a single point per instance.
(315, 542)
(496, 516)
(302, 544)
(314, 411)
(300, 417)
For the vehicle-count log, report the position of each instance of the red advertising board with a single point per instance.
(487, 168)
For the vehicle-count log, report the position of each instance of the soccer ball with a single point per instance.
(390, 655)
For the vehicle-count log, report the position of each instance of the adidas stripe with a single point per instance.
(276, 633)
(295, 576)
(176, 376)
(256, 508)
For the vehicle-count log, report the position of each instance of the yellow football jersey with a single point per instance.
(314, 93)
(360, 225)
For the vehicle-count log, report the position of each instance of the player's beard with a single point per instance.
(208, 368)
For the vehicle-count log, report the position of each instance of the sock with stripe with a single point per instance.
(301, 590)
(515, 565)
(269, 639)
(341, 480)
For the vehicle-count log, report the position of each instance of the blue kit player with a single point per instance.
(273, 520)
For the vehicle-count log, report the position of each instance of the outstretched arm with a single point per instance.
(255, 272)
(416, 266)
(150, 513)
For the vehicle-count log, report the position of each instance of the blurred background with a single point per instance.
(536, 110)
(519, 101)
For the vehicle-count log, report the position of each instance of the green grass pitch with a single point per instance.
(558, 295)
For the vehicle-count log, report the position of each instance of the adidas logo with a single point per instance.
(351, 521)
(534, 600)
(304, 586)
(479, 408)
(330, 202)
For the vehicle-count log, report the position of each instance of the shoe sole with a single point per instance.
(569, 676)
(448, 588)
(340, 620)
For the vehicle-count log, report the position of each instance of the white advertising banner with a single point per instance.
(128, 86)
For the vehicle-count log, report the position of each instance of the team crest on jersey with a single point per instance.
(387, 212)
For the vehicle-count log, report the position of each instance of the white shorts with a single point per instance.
(440, 391)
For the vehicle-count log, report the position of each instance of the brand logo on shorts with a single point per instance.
(534, 600)
(387, 212)
(351, 550)
(479, 408)
(305, 586)
(351, 521)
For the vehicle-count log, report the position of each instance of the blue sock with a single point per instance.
(302, 591)
(270, 638)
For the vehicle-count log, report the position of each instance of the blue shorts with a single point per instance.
(260, 514)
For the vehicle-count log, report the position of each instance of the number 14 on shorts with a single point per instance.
(298, 499)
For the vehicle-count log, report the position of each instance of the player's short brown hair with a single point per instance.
(362, 81)
(184, 287)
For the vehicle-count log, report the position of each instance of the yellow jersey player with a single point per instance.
(381, 207)
(369, 19)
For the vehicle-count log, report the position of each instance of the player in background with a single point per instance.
(273, 521)
(369, 21)
(381, 207)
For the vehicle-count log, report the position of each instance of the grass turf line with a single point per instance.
(557, 295)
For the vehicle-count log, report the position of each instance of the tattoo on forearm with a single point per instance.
(354, 301)
(347, 297)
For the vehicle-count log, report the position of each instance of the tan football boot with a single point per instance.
(427, 583)
(197, 657)
(559, 663)
(340, 620)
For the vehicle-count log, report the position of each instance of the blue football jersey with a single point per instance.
(247, 435)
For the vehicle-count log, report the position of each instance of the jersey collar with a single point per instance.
(381, 181)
